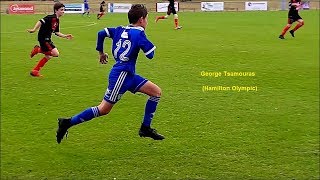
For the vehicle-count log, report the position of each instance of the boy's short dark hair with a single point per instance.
(136, 12)
(57, 6)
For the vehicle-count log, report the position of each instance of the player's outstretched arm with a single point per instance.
(67, 36)
(35, 28)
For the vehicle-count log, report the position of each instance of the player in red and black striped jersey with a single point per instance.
(103, 7)
(293, 16)
(172, 10)
(47, 25)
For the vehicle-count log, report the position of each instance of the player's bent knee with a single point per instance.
(160, 92)
(157, 92)
(150, 89)
(55, 54)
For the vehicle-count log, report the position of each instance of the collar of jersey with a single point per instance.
(135, 27)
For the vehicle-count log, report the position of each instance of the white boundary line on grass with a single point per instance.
(87, 25)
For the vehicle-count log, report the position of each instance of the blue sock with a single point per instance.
(85, 115)
(150, 109)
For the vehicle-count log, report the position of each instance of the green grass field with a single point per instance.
(272, 133)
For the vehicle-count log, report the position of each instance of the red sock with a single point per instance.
(176, 22)
(285, 29)
(40, 64)
(297, 27)
(39, 50)
(161, 17)
(100, 15)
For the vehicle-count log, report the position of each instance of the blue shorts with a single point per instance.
(120, 82)
(86, 7)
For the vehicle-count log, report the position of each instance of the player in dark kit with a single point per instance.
(293, 16)
(47, 25)
(102, 10)
(172, 10)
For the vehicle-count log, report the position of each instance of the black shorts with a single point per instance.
(292, 17)
(171, 10)
(46, 45)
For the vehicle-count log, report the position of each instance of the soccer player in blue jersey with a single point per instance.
(127, 42)
(86, 8)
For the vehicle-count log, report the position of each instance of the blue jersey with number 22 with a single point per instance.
(127, 42)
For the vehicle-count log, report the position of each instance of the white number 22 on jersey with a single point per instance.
(126, 44)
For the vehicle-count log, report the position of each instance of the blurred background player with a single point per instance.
(86, 8)
(126, 44)
(172, 10)
(103, 7)
(293, 16)
(48, 25)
